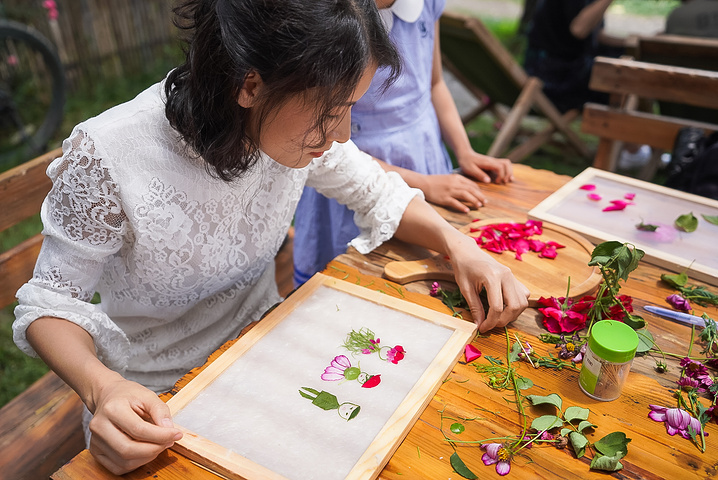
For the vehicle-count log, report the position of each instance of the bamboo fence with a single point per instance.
(98, 39)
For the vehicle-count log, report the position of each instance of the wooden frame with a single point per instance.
(570, 208)
(393, 429)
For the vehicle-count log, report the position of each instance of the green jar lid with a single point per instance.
(613, 341)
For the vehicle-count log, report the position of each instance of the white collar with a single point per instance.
(407, 10)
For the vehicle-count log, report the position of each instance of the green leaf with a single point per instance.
(646, 227)
(645, 340)
(457, 428)
(515, 350)
(546, 422)
(566, 431)
(460, 467)
(609, 464)
(551, 399)
(636, 322)
(576, 413)
(584, 425)
(604, 253)
(614, 444)
(710, 218)
(578, 442)
(687, 222)
(677, 280)
(523, 383)
(616, 256)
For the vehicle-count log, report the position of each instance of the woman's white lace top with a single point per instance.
(182, 261)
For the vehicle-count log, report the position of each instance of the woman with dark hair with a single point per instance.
(172, 207)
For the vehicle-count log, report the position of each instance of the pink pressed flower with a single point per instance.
(678, 302)
(588, 187)
(595, 197)
(366, 351)
(617, 205)
(497, 454)
(676, 420)
(547, 436)
(396, 354)
(471, 353)
(335, 371)
(629, 196)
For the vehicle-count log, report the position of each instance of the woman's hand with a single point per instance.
(477, 165)
(474, 270)
(130, 427)
(452, 191)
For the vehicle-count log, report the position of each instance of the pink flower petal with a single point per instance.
(594, 196)
(588, 187)
(617, 205)
(332, 376)
(629, 196)
(503, 467)
(488, 460)
(471, 353)
(341, 361)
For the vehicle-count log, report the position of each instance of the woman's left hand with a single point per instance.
(475, 270)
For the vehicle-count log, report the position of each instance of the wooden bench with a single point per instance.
(40, 430)
(631, 80)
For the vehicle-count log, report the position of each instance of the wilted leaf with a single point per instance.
(710, 218)
(546, 422)
(551, 399)
(614, 444)
(576, 413)
(609, 464)
(578, 442)
(646, 227)
(523, 383)
(677, 280)
(584, 425)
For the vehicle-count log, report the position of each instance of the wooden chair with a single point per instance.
(632, 80)
(40, 430)
(482, 64)
(681, 51)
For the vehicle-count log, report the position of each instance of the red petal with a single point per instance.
(589, 187)
(471, 353)
(372, 382)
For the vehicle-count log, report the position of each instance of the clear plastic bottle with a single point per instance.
(609, 355)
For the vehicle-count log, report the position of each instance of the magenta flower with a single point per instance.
(687, 383)
(394, 355)
(498, 454)
(676, 420)
(695, 371)
(678, 302)
(435, 287)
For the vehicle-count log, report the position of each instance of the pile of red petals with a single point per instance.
(515, 237)
(568, 316)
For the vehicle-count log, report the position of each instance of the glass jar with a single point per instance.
(609, 355)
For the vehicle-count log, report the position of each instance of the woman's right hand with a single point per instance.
(130, 426)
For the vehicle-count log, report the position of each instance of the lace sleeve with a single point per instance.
(83, 224)
(377, 198)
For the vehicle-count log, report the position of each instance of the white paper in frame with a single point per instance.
(243, 415)
(677, 251)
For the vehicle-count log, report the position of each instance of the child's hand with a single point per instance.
(480, 167)
(475, 269)
(453, 191)
(130, 427)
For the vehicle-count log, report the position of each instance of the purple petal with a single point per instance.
(678, 418)
(488, 460)
(671, 430)
(503, 467)
(657, 416)
(341, 361)
(332, 377)
(658, 408)
(492, 449)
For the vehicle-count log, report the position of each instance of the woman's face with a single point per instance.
(287, 131)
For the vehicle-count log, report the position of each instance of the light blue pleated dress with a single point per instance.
(398, 125)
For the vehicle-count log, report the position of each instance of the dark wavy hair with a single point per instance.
(294, 45)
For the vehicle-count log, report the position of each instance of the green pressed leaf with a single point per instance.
(636, 322)
(576, 413)
(606, 463)
(523, 383)
(584, 425)
(646, 227)
(551, 399)
(460, 467)
(578, 442)
(515, 350)
(546, 422)
(645, 340)
(675, 280)
(614, 444)
(687, 222)
(457, 428)
(710, 219)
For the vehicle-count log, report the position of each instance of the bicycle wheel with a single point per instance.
(32, 92)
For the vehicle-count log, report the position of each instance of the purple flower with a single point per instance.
(687, 384)
(676, 420)
(435, 287)
(678, 302)
(498, 454)
(697, 372)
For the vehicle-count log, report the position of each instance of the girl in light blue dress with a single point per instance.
(402, 127)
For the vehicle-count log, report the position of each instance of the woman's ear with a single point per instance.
(249, 92)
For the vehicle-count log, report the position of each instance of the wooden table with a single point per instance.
(424, 454)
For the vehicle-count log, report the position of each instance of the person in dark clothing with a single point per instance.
(564, 37)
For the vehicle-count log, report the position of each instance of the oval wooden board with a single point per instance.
(543, 277)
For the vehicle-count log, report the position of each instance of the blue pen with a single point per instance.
(678, 316)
